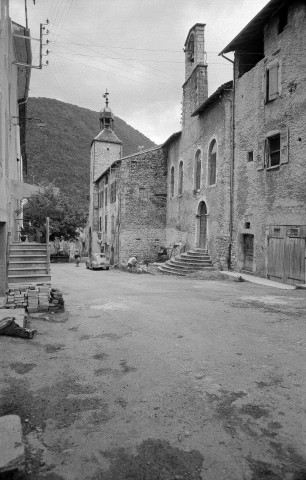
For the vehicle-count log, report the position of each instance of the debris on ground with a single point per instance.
(35, 298)
(12, 453)
(9, 327)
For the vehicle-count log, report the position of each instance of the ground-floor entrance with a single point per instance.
(286, 253)
(201, 241)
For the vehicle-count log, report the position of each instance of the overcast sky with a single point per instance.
(134, 48)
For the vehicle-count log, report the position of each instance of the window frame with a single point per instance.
(198, 170)
(268, 164)
(212, 143)
(172, 182)
(180, 184)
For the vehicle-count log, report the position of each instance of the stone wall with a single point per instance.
(143, 190)
(104, 154)
(182, 209)
(276, 196)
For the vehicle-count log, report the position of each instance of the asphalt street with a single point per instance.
(151, 377)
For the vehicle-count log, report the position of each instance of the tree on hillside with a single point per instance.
(65, 219)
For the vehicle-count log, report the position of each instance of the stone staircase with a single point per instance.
(189, 262)
(28, 263)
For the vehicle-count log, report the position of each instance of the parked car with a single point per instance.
(97, 261)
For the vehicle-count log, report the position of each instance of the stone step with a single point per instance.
(190, 262)
(28, 263)
(28, 251)
(189, 268)
(27, 271)
(193, 261)
(28, 258)
(199, 251)
(28, 279)
(171, 271)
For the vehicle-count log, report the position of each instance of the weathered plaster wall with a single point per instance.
(271, 197)
(143, 189)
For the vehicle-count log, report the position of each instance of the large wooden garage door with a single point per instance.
(286, 255)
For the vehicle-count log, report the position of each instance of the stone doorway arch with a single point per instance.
(202, 226)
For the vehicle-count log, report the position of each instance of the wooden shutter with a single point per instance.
(260, 155)
(284, 145)
(273, 82)
(267, 153)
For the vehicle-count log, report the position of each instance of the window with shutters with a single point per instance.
(180, 179)
(272, 82)
(212, 163)
(105, 224)
(197, 171)
(105, 194)
(113, 223)
(273, 151)
(172, 182)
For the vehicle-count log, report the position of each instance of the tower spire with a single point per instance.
(106, 115)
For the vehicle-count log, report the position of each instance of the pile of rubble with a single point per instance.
(35, 298)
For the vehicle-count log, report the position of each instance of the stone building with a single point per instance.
(128, 198)
(232, 181)
(15, 64)
(198, 161)
(269, 194)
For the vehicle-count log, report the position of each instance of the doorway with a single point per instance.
(202, 226)
(248, 252)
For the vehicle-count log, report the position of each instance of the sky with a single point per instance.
(134, 48)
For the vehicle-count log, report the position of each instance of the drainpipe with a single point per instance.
(232, 166)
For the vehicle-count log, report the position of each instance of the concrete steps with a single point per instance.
(189, 262)
(28, 263)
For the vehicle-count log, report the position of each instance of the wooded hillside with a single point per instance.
(59, 152)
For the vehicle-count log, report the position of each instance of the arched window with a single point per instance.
(172, 182)
(180, 179)
(197, 171)
(212, 163)
(190, 49)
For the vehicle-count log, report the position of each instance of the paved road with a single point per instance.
(159, 378)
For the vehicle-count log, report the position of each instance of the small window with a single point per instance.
(250, 156)
(180, 179)
(143, 193)
(172, 182)
(105, 194)
(282, 18)
(102, 198)
(272, 90)
(105, 224)
(113, 223)
(197, 177)
(100, 224)
(212, 163)
(273, 151)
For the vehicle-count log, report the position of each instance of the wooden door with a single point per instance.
(286, 259)
(294, 260)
